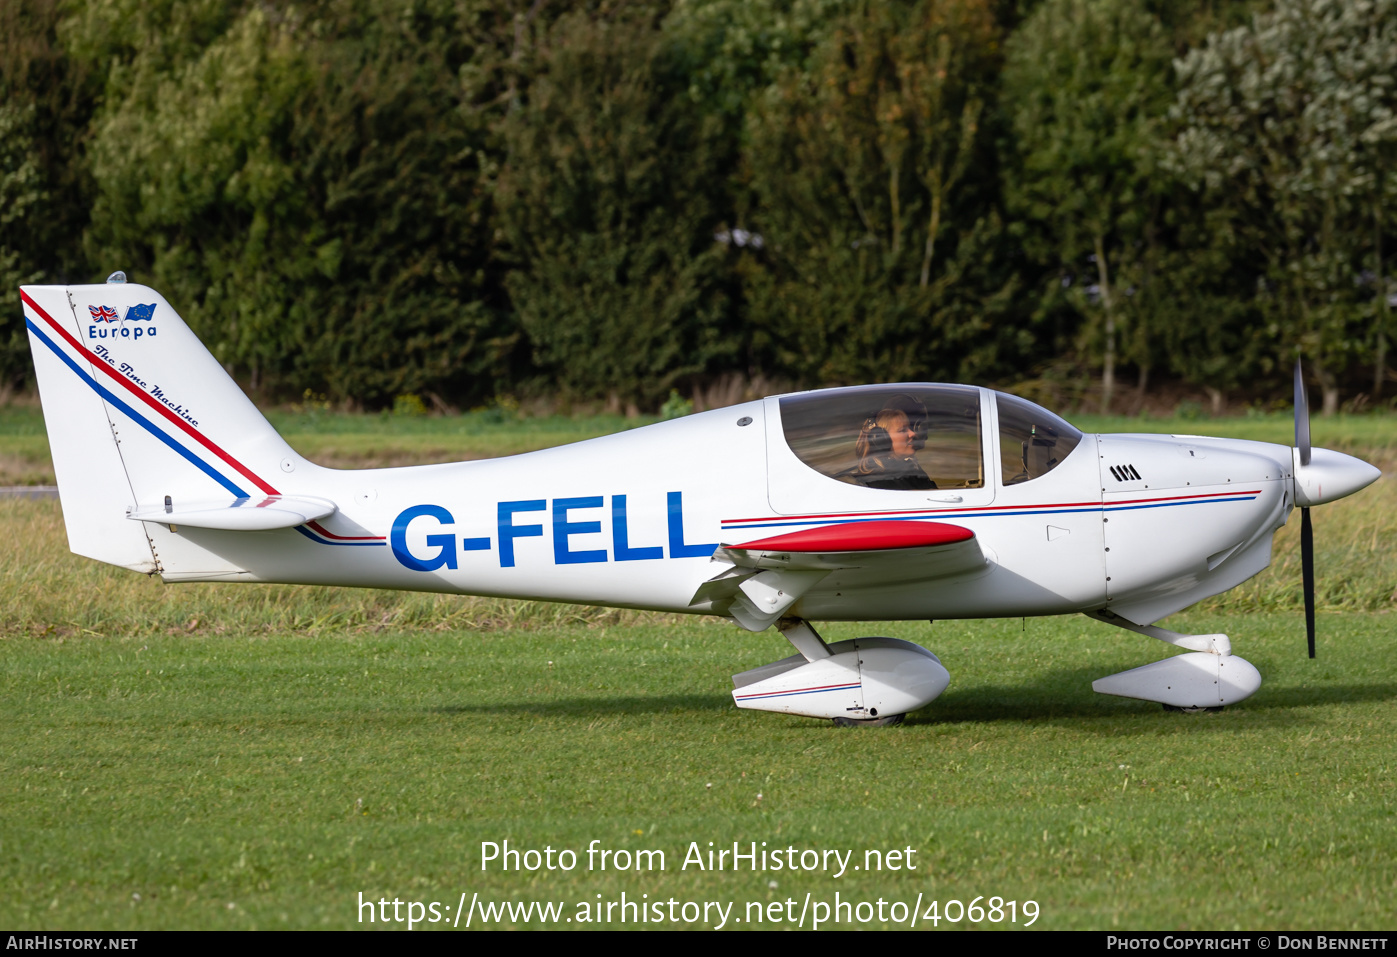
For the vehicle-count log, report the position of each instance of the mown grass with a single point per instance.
(265, 780)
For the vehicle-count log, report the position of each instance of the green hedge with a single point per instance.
(616, 200)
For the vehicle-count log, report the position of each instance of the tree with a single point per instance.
(46, 102)
(729, 49)
(611, 199)
(1084, 84)
(312, 187)
(864, 164)
(1287, 125)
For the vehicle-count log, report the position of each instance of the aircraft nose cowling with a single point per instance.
(1329, 476)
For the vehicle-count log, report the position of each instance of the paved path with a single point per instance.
(28, 491)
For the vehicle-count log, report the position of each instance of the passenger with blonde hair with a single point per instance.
(887, 453)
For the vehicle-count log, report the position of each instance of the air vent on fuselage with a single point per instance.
(1125, 473)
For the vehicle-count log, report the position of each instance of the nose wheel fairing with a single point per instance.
(1196, 680)
(1208, 678)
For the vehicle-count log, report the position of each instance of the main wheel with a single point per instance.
(883, 722)
(1172, 707)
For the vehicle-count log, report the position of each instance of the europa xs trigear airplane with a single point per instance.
(882, 503)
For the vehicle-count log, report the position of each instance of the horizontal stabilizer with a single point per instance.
(239, 515)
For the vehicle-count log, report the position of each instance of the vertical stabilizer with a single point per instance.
(136, 410)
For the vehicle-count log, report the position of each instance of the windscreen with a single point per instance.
(1032, 440)
(889, 437)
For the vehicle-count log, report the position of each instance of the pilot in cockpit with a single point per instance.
(887, 447)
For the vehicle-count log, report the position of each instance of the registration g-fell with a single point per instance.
(874, 503)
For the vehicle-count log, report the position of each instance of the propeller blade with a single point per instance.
(1307, 565)
(1302, 416)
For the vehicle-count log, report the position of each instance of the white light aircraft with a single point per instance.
(872, 503)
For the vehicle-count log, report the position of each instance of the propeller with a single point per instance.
(1307, 534)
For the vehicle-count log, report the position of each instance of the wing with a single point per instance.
(240, 515)
(769, 575)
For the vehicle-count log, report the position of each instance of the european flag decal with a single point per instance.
(141, 312)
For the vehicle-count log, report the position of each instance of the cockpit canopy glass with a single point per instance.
(889, 437)
(1032, 441)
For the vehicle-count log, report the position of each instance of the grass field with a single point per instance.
(255, 756)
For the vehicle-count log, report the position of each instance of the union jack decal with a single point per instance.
(108, 314)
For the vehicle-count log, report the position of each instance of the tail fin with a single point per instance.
(137, 409)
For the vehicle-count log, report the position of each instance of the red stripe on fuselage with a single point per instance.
(320, 529)
(1176, 498)
(927, 512)
(932, 513)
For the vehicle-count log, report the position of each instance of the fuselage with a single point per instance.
(1142, 524)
